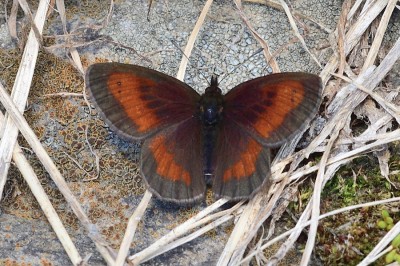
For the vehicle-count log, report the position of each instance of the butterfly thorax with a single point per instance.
(211, 104)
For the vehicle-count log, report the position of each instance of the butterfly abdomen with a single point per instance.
(209, 137)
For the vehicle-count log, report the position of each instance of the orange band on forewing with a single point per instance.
(246, 164)
(167, 167)
(129, 90)
(275, 114)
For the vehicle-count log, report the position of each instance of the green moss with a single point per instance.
(345, 239)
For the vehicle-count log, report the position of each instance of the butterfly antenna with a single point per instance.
(179, 48)
(247, 59)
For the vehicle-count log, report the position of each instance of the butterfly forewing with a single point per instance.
(136, 101)
(275, 107)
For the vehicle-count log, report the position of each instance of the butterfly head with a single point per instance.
(211, 103)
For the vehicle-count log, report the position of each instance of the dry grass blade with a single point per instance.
(334, 163)
(109, 14)
(44, 202)
(354, 9)
(316, 200)
(388, 106)
(212, 225)
(277, 5)
(63, 94)
(256, 211)
(346, 104)
(75, 59)
(180, 230)
(189, 46)
(380, 139)
(267, 52)
(25, 7)
(341, 29)
(385, 66)
(194, 235)
(55, 174)
(131, 229)
(12, 20)
(379, 34)
(370, 12)
(20, 93)
(378, 70)
(294, 234)
(296, 31)
(381, 71)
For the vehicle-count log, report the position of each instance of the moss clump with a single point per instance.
(345, 239)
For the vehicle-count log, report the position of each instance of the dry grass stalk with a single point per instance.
(12, 20)
(63, 94)
(267, 51)
(97, 158)
(212, 225)
(36, 187)
(199, 219)
(379, 34)
(277, 5)
(131, 229)
(359, 97)
(20, 93)
(25, 7)
(190, 43)
(341, 29)
(316, 199)
(392, 109)
(75, 59)
(296, 31)
(249, 222)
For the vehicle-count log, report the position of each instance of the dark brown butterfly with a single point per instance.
(191, 139)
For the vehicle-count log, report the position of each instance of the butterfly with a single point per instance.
(191, 140)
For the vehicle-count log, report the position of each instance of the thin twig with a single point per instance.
(20, 93)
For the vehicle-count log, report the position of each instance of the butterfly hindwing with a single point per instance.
(240, 163)
(172, 163)
(275, 107)
(136, 101)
